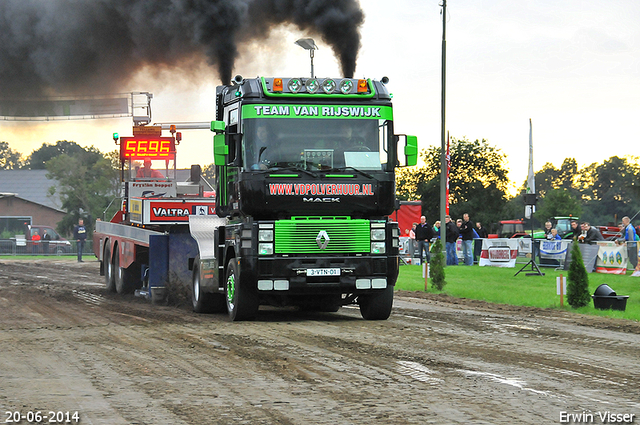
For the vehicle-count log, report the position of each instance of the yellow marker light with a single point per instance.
(277, 84)
(362, 86)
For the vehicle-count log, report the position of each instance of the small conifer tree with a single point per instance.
(436, 267)
(578, 280)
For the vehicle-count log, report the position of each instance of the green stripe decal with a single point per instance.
(267, 110)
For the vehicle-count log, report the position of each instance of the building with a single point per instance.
(25, 196)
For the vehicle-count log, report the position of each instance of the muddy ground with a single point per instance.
(66, 345)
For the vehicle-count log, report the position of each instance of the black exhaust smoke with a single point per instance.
(79, 46)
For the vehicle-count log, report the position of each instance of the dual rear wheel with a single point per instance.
(119, 279)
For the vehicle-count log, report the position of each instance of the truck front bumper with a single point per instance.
(324, 274)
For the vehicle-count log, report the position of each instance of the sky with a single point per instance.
(572, 67)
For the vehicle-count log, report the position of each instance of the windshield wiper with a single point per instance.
(364, 173)
(291, 168)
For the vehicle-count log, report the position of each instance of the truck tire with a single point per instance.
(376, 305)
(124, 282)
(242, 302)
(109, 277)
(204, 302)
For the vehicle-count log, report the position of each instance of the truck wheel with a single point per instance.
(122, 277)
(242, 303)
(376, 305)
(109, 277)
(204, 302)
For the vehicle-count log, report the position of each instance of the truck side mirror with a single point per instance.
(227, 154)
(218, 126)
(220, 150)
(407, 150)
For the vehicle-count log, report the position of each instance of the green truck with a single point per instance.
(305, 182)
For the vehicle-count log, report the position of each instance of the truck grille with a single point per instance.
(298, 235)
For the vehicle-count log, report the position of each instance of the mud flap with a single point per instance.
(202, 228)
(158, 266)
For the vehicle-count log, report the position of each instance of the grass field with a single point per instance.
(499, 285)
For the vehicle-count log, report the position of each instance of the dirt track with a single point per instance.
(67, 345)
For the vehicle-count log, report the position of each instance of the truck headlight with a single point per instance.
(377, 234)
(265, 235)
(378, 248)
(265, 249)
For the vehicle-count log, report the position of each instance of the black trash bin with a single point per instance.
(605, 291)
(605, 298)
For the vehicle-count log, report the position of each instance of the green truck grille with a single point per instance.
(299, 235)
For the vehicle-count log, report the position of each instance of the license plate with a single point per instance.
(323, 272)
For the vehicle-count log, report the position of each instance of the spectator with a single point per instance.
(466, 231)
(482, 232)
(477, 247)
(80, 235)
(574, 232)
(436, 229)
(424, 233)
(412, 239)
(452, 234)
(553, 235)
(628, 231)
(589, 234)
(35, 242)
(46, 238)
(547, 230)
(630, 237)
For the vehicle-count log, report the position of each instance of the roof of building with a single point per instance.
(32, 185)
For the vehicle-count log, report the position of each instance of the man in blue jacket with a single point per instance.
(629, 236)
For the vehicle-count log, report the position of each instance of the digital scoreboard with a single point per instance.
(141, 147)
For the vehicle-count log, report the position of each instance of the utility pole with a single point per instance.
(443, 148)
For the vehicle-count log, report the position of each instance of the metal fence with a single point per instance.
(16, 247)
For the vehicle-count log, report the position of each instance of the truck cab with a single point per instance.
(305, 179)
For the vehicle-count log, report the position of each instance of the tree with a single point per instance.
(436, 267)
(558, 202)
(478, 181)
(209, 174)
(609, 189)
(578, 280)
(550, 177)
(39, 157)
(88, 184)
(9, 159)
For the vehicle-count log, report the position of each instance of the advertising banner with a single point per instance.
(612, 258)
(499, 252)
(554, 250)
(175, 211)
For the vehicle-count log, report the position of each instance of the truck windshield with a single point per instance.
(315, 144)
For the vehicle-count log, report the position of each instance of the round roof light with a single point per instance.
(294, 85)
(313, 85)
(328, 86)
(346, 86)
